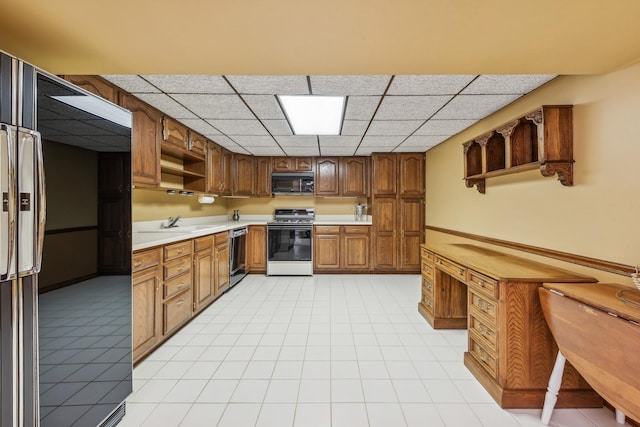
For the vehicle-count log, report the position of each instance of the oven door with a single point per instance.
(289, 243)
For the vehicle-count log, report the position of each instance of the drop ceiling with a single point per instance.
(384, 113)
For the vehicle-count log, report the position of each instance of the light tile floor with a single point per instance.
(328, 350)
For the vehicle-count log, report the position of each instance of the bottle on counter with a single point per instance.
(236, 214)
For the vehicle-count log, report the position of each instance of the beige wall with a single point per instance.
(597, 217)
(323, 206)
(149, 205)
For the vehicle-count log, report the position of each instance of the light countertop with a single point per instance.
(148, 234)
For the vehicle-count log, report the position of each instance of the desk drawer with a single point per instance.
(484, 306)
(327, 229)
(146, 259)
(427, 302)
(427, 255)
(427, 269)
(355, 229)
(486, 358)
(176, 311)
(427, 287)
(452, 268)
(176, 285)
(482, 284)
(482, 329)
(177, 250)
(176, 267)
(203, 243)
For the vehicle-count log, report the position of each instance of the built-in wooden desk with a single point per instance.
(511, 350)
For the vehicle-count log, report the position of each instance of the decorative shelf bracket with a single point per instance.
(563, 169)
(477, 182)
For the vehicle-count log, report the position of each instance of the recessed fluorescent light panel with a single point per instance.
(98, 107)
(313, 114)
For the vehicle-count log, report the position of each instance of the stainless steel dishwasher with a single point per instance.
(237, 255)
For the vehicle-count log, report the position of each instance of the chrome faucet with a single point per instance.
(173, 222)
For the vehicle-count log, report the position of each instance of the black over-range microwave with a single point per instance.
(292, 183)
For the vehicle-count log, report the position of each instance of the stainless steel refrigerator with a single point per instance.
(65, 315)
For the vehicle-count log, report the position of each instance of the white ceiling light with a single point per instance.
(98, 107)
(313, 114)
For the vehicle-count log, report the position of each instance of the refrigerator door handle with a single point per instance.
(42, 202)
(27, 190)
(8, 211)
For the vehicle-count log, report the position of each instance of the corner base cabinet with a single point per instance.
(511, 351)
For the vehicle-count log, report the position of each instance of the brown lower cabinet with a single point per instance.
(337, 248)
(257, 249)
(174, 282)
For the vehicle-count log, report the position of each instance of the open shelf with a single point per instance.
(540, 139)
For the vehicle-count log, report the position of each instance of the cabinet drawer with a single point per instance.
(176, 267)
(221, 238)
(486, 359)
(482, 283)
(327, 229)
(176, 285)
(427, 269)
(355, 229)
(427, 302)
(146, 259)
(484, 306)
(176, 311)
(202, 243)
(483, 330)
(427, 287)
(452, 268)
(177, 250)
(427, 255)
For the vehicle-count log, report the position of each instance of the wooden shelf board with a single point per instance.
(507, 171)
(180, 172)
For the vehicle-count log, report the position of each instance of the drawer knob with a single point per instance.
(481, 282)
(180, 250)
(138, 263)
(180, 267)
(460, 271)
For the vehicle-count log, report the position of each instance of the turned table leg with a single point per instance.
(551, 396)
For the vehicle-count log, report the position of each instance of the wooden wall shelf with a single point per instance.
(540, 139)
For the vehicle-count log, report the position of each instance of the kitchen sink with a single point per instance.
(185, 229)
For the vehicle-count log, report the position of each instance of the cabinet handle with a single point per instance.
(485, 332)
(138, 263)
(460, 271)
(180, 267)
(179, 302)
(180, 286)
(481, 282)
(180, 250)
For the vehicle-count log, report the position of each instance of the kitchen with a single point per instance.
(540, 212)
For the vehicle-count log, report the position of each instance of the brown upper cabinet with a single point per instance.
(175, 133)
(292, 164)
(411, 174)
(384, 177)
(263, 177)
(244, 175)
(541, 139)
(197, 144)
(96, 85)
(145, 141)
(341, 176)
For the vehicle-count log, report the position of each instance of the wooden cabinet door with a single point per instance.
(384, 176)
(145, 141)
(215, 168)
(303, 164)
(353, 176)
(355, 251)
(96, 85)
(326, 251)
(197, 144)
(226, 172)
(257, 248)
(412, 174)
(244, 172)
(263, 179)
(203, 273)
(283, 164)
(327, 177)
(222, 268)
(385, 242)
(147, 307)
(411, 226)
(175, 133)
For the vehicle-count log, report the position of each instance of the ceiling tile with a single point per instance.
(277, 127)
(337, 151)
(349, 85)
(381, 141)
(215, 106)
(264, 106)
(365, 151)
(506, 84)
(410, 107)
(361, 107)
(200, 125)
(223, 140)
(301, 151)
(444, 127)
(339, 141)
(255, 141)
(424, 140)
(189, 83)
(239, 127)
(474, 106)
(429, 84)
(354, 127)
(393, 127)
(297, 141)
(132, 83)
(167, 105)
(270, 85)
(265, 151)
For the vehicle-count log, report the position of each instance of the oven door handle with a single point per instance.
(288, 227)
